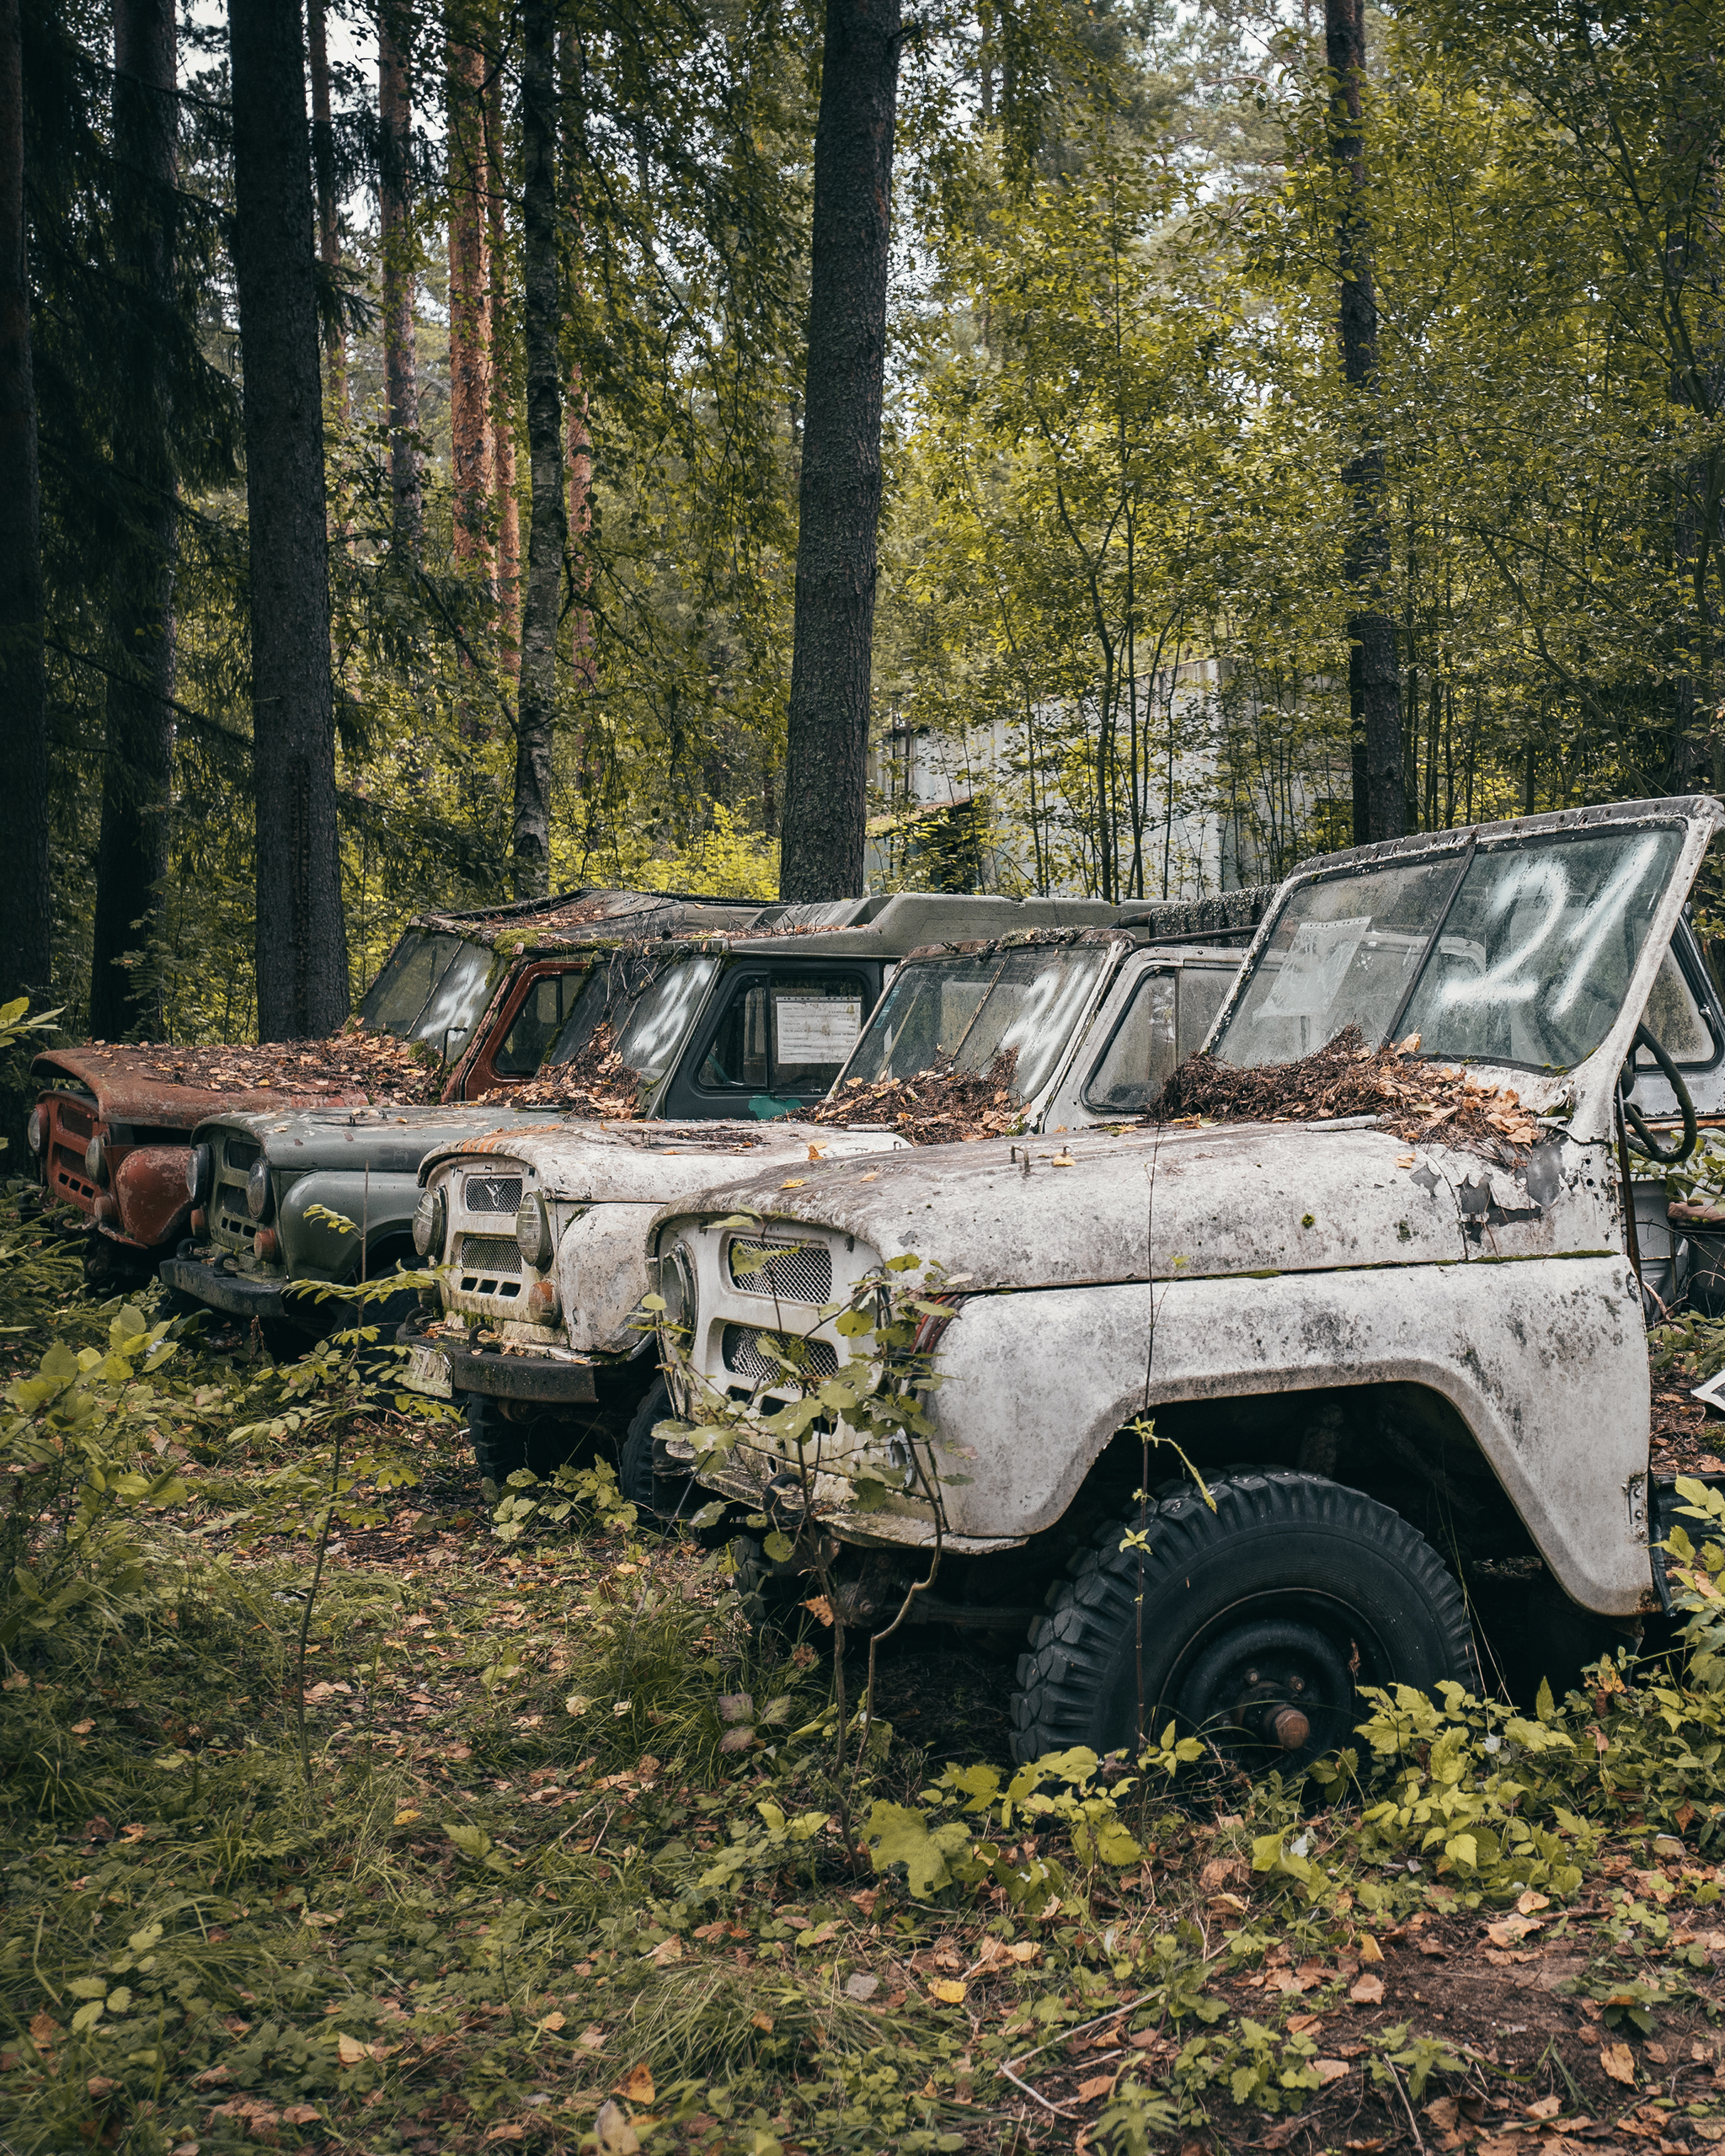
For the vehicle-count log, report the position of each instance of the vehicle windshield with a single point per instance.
(972, 1009)
(1519, 952)
(432, 988)
(656, 1024)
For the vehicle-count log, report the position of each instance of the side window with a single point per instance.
(788, 1033)
(548, 1002)
(1204, 989)
(1675, 1020)
(1140, 1055)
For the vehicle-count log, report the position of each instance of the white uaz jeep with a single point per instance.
(1413, 1375)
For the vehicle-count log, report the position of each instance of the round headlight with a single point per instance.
(676, 1286)
(35, 1131)
(430, 1216)
(95, 1160)
(257, 1191)
(198, 1164)
(533, 1231)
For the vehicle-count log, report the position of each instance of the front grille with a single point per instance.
(743, 1358)
(240, 1152)
(492, 1194)
(75, 1121)
(797, 1272)
(490, 1254)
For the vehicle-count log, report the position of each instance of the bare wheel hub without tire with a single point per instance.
(1267, 1691)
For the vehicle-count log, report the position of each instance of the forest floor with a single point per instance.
(567, 1864)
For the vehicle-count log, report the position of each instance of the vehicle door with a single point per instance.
(528, 1016)
(774, 1035)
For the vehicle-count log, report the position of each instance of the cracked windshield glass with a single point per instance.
(972, 1009)
(1520, 954)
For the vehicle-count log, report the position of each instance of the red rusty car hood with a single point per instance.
(135, 1084)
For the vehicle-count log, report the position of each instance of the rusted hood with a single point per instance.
(388, 1140)
(128, 1089)
(652, 1163)
(1187, 1204)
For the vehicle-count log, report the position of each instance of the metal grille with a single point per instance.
(800, 1273)
(240, 1152)
(493, 1194)
(746, 1360)
(490, 1254)
(75, 1121)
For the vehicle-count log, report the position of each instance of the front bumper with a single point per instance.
(544, 1380)
(237, 1293)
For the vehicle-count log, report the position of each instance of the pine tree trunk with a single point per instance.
(583, 662)
(138, 763)
(329, 206)
(469, 360)
(825, 786)
(302, 988)
(24, 958)
(503, 432)
(548, 526)
(1374, 686)
(396, 240)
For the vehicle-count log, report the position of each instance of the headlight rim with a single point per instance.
(677, 1273)
(260, 1189)
(35, 1131)
(200, 1166)
(431, 1220)
(96, 1161)
(540, 1252)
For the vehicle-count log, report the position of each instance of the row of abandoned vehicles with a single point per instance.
(1240, 1302)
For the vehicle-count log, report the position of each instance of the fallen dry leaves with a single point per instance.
(937, 1107)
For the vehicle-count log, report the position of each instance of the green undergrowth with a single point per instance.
(336, 1813)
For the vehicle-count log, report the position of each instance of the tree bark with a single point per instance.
(582, 661)
(302, 988)
(25, 956)
(825, 786)
(329, 206)
(547, 528)
(138, 763)
(469, 359)
(1374, 686)
(396, 239)
(503, 432)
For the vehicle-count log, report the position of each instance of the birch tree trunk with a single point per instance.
(329, 208)
(502, 421)
(826, 784)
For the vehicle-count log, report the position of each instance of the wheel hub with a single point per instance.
(1271, 1692)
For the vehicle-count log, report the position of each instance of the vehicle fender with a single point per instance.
(601, 1271)
(313, 1249)
(149, 1189)
(1545, 1361)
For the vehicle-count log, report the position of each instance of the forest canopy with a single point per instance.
(1159, 546)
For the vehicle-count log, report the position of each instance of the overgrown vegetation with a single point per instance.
(562, 1863)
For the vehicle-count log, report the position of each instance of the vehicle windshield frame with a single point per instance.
(1542, 836)
(1093, 958)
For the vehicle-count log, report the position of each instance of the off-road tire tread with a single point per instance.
(655, 1497)
(1059, 1680)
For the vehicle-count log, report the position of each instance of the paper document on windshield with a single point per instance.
(1310, 978)
(817, 1029)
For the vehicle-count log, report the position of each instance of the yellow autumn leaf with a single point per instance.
(948, 1989)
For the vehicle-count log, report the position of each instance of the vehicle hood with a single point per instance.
(130, 1086)
(1184, 1203)
(652, 1163)
(390, 1141)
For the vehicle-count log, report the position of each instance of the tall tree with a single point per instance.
(825, 787)
(547, 525)
(138, 763)
(502, 418)
(469, 355)
(1374, 685)
(23, 697)
(396, 241)
(328, 204)
(302, 987)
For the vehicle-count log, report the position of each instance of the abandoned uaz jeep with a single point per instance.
(1405, 1351)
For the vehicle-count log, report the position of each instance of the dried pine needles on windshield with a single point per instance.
(1411, 1096)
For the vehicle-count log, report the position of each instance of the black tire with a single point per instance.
(657, 1498)
(1264, 1615)
(500, 1446)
